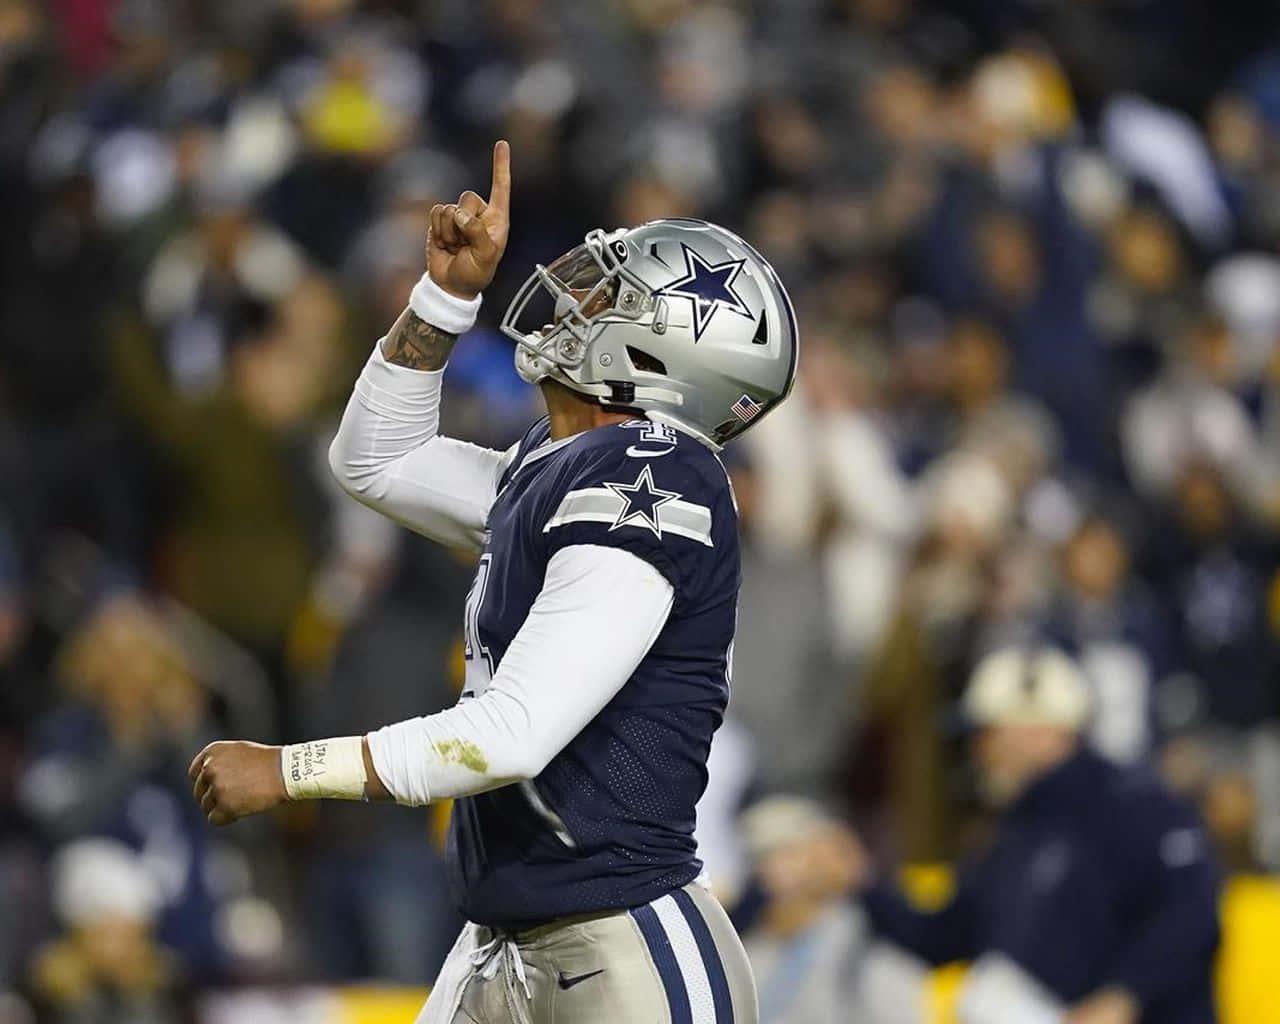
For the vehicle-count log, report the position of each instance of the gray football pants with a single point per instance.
(676, 960)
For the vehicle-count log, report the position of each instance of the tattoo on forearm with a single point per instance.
(414, 343)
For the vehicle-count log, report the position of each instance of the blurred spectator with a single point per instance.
(62, 461)
(1015, 431)
(783, 661)
(830, 488)
(1230, 781)
(1205, 557)
(111, 760)
(867, 513)
(1099, 891)
(810, 950)
(356, 98)
(250, 524)
(940, 622)
(108, 969)
(205, 282)
(1247, 161)
(1140, 299)
(1113, 627)
(1189, 414)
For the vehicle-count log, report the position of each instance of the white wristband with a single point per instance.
(437, 307)
(321, 769)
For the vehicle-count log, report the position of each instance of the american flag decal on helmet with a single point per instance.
(745, 409)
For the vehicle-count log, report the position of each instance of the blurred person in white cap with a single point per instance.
(1096, 901)
(108, 968)
(810, 948)
(1026, 711)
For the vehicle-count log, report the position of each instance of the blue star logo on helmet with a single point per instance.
(708, 287)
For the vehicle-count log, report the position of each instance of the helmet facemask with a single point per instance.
(557, 310)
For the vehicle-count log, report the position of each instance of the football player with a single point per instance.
(599, 628)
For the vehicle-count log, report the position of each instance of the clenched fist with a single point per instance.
(467, 238)
(235, 778)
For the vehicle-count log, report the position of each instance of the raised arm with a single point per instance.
(388, 452)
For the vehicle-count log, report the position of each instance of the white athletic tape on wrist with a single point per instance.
(437, 307)
(325, 769)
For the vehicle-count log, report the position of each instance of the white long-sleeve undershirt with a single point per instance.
(598, 613)
(389, 454)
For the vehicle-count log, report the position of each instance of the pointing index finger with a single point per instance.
(500, 189)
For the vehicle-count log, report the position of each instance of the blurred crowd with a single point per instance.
(1035, 251)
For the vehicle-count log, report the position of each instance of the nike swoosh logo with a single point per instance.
(568, 982)
(641, 453)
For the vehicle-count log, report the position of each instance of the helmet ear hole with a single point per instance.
(761, 337)
(644, 362)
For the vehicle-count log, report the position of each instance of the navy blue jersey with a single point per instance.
(608, 824)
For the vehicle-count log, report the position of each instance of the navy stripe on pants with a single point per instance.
(664, 958)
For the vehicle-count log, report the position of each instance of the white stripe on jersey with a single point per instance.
(601, 505)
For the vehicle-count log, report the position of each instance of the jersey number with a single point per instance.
(479, 675)
(479, 669)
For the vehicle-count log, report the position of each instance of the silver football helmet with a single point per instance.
(678, 318)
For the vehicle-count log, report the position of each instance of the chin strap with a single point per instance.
(535, 367)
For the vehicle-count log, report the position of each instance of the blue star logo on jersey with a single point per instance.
(708, 287)
(641, 501)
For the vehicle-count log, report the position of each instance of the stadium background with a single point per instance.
(1034, 247)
